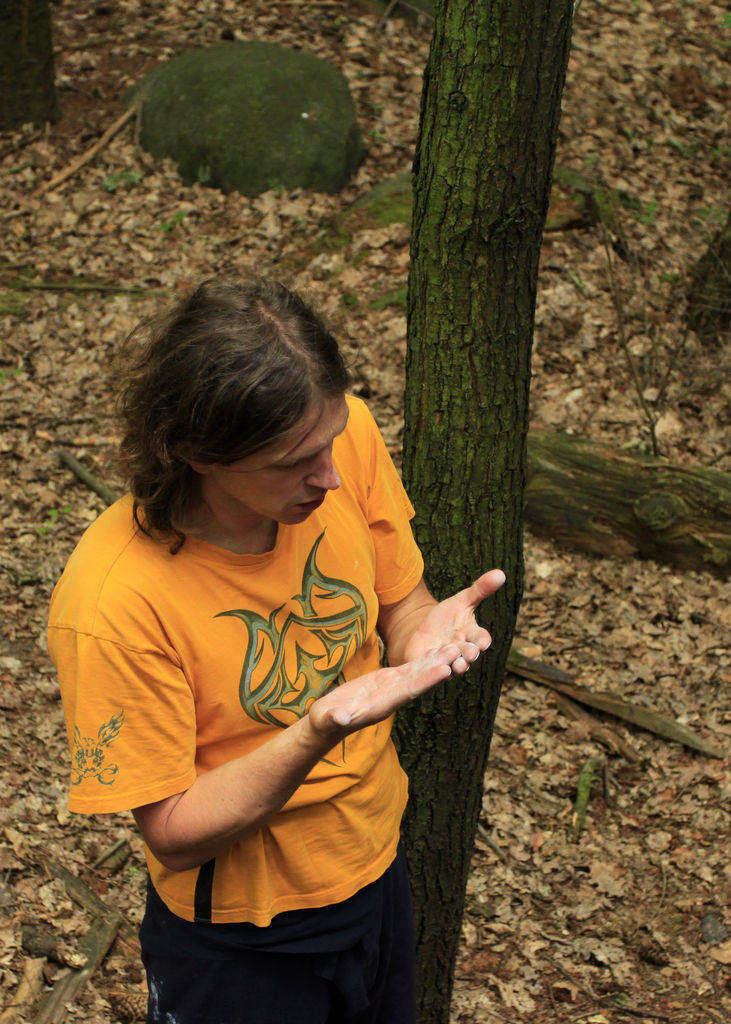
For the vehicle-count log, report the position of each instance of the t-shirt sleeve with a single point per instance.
(399, 563)
(130, 717)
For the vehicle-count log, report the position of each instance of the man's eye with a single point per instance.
(300, 463)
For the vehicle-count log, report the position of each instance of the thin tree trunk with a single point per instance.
(27, 92)
(489, 119)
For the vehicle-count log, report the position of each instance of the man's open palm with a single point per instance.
(453, 621)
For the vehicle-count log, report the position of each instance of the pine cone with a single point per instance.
(128, 1006)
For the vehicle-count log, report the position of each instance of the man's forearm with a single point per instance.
(232, 800)
(236, 799)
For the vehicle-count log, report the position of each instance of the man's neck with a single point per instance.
(255, 539)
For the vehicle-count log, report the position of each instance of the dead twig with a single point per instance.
(409, 7)
(20, 144)
(89, 900)
(562, 682)
(104, 492)
(93, 947)
(28, 990)
(386, 15)
(584, 987)
(663, 894)
(717, 458)
(601, 733)
(23, 285)
(631, 1011)
(623, 337)
(26, 285)
(113, 858)
(89, 155)
(489, 841)
(698, 617)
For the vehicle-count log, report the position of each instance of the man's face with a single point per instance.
(284, 482)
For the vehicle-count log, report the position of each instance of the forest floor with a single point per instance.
(632, 921)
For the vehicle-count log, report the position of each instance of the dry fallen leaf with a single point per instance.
(721, 954)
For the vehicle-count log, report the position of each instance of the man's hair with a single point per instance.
(228, 371)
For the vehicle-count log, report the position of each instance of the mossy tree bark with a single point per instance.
(27, 92)
(489, 120)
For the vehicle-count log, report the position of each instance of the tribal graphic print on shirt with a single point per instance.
(298, 653)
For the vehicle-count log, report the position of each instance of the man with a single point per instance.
(217, 635)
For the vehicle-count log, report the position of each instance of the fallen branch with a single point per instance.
(30, 987)
(489, 841)
(89, 900)
(651, 721)
(601, 733)
(23, 285)
(104, 492)
(89, 155)
(632, 1011)
(114, 858)
(94, 947)
(109, 925)
(590, 497)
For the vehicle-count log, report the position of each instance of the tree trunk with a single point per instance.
(27, 92)
(606, 502)
(489, 119)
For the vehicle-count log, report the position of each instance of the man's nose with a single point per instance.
(324, 475)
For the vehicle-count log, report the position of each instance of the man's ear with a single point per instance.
(200, 467)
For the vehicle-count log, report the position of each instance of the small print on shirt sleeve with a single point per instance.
(91, 757)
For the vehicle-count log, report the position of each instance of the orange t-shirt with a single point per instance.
(172, 664)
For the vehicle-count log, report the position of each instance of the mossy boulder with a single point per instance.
(248, 117)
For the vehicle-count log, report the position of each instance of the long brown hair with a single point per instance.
(229, 370)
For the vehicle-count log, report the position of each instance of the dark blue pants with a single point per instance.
(226, 979)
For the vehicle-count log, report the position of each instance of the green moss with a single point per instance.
(574, 180)
(12, 304)
(593, 203)
(388, 202)
(333, 238)
(396, 298)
